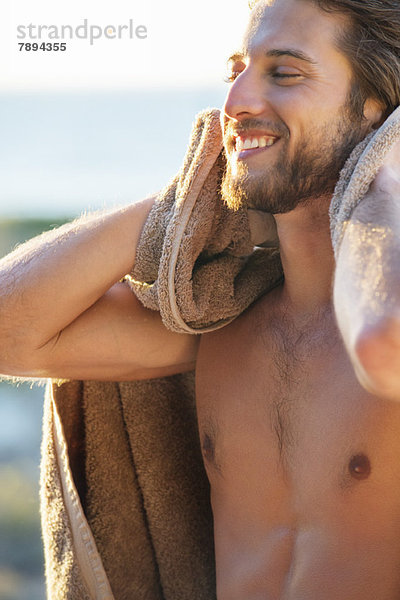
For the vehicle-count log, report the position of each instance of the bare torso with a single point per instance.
(304, 464)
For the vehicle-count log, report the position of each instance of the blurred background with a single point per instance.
(95, 126)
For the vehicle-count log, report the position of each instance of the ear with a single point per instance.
(373, 113)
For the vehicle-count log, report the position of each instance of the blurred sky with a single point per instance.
(187, 44)
(106, 123)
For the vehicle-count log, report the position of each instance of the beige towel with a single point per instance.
(358, 174)
(196, 261)
(125, 505)
(132, 482)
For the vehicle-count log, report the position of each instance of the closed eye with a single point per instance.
(286, 79)
(230, 77)
(283, 75)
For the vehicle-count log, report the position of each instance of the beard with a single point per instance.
(311, 173)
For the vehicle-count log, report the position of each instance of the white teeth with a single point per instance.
(250, 143)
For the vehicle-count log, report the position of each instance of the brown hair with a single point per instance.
(372, 45)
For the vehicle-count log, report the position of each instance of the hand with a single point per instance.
(377, 364)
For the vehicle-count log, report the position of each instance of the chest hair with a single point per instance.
(294, 349)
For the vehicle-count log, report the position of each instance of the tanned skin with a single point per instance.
(66, 314)
(298, 420)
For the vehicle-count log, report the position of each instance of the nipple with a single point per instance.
(359, 466)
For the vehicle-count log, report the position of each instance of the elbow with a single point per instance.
(16, 360)
(376, 358)
(9, 360)
(12, 365)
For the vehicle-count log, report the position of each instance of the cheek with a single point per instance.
(304, 118)
(294, 105)
(306, 103)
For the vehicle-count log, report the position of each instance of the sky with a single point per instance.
(71, 135)
(179, 43)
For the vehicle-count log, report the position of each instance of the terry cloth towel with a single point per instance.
(358, 174)
(124, 496)
(196, 261)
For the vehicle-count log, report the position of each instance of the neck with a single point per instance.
(307, 256)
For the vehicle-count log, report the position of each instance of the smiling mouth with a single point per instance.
(251, 142)
(246, 145)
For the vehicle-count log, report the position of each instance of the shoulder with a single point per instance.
(248, 331)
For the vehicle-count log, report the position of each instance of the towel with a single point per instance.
(124, 496)
(201, 268)
(122, 477)
(358, 173)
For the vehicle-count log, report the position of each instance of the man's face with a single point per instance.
(289, 101)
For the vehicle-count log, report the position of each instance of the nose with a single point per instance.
(246, 97)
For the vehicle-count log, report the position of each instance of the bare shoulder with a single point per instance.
(239, 342)
(253, 324)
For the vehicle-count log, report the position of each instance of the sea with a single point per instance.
(62, 153)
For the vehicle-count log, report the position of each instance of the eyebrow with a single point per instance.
(293, 53)
(275, 52)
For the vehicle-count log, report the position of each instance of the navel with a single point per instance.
(359, 466)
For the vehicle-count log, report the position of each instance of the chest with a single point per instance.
(274, 375)
(299, 456)
(281, 398)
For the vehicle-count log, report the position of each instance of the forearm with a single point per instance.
(48, 282)
(367, 287)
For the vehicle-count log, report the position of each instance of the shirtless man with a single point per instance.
(302, 458)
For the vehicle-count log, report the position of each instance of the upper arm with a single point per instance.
(115, 339)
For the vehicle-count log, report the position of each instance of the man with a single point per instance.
(302, 459)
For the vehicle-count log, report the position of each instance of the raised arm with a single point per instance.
(367, 283)
(64, 313)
